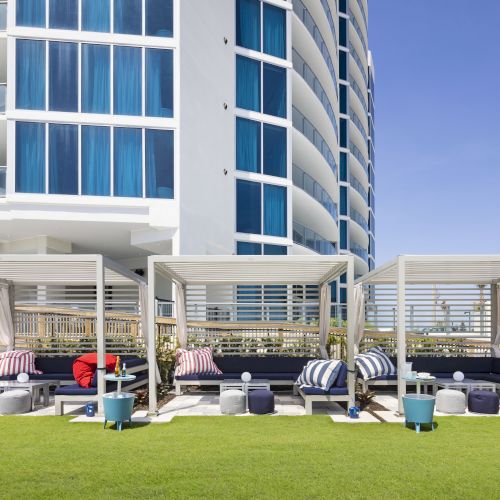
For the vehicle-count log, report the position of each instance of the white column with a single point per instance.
(351, 329)
(100, 331)
(401, 331)
(152, 335)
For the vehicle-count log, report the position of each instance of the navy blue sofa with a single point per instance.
(279, 370)
(477, 368)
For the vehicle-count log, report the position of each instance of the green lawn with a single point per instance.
(249, 457)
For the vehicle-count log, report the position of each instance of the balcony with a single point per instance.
(358, 187)
(359, 93)
(358, 30)
(315, 190)
(358, 62)
(355, 151)
(308, 238)
(357, 122)
(361, 252)
(359, 219)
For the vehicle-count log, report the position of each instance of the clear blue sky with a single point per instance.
(437, 126)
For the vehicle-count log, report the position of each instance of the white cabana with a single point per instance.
(426, 288)
(246, 271)
(87, 279)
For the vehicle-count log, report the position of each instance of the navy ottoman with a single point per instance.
(260, 402)
(483, 402)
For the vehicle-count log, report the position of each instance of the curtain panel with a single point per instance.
(95, 161)
(30, 74)
(95, 78)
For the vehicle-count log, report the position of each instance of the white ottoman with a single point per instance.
(15, 402)
(232, 402)
(450, 401)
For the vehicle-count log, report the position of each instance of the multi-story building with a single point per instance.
(134, 127)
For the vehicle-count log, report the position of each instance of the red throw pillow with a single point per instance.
(85, 366)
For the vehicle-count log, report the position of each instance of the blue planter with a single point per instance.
(118, 408)
(419, 409)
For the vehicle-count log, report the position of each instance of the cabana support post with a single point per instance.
(351, 326)
(401, 331)
(152, 334)
(101, 342)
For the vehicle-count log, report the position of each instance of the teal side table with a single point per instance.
(419, 409)
(118, 405)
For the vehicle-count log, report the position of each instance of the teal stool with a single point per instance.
(118, 408)
(419, 409)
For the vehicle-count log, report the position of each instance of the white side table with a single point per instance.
(111, 377)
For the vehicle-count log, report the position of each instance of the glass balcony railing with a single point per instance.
(3, 96)
(3, 181)
(359, 251)
(357, 186)
(359, 93)
(303, 14)
(359, 156)
(302, 124)
(312, 240)
(3, 16)
(357, 59)
(355, 119)
(358, 30)
(358, 218)
(305, 182)
(363, 13)
(328, 14)
(304, 70)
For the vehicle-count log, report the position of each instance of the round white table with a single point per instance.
(111, 377)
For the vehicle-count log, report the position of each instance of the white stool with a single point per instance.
(232, 402)
(15, 402)
(450, 401)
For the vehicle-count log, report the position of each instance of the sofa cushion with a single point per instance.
(52, 376)
(320, 373)
(495, 365)
(55, 364)
(262, 364)
(85, 366)
(341, 377)
(374, 363)
(333, 391)
(443, 364)
(491, 377)
(75, 390)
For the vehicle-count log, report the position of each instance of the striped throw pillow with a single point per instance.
(374, 363)
(195, 362)
(15, 362)
(320, 373)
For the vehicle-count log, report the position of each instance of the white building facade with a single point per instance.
(135, 127)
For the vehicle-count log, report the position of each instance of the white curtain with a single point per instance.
(180, 304)
(359, 316)
(143, 305)
(6, 319)
(325, 299)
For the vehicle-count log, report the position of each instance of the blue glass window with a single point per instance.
(274, 160)
(248, 248)
(248, 24)
(343, 200)
(63, 14)
(275, 250)
(248, 207)
(343, 6)
(343, 234)
(63, 76)
(30, 13)
(95, 78)
(342, 65)
(274, 90)
(127, 83)
(128, 17)
(343, 99)
(63, 159)
(343, 296)
(159, 164)
(343, 133)
(247, 83)
(30, 157)
(159, 83)
(274, 210)
(159, 18)
(95, 15)
(127, 150)
(30, 74)
(95, 161)
(343, 31)
(343, 167)
(274, 31)
(247, 145)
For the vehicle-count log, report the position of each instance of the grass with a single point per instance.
(249, 457)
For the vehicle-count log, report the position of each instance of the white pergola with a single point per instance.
(430, 270)
(71, 270)
(250, 270)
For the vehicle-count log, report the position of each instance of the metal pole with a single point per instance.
(100, 325)
(401, 331)
(151, 336)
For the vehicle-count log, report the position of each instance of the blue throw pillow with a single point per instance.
(374, 363)
(320, 373)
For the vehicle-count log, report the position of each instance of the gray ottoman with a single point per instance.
(232, 402)
(450, 401)
(15, 402)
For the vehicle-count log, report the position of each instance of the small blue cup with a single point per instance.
(90, 409)
(354, 412)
